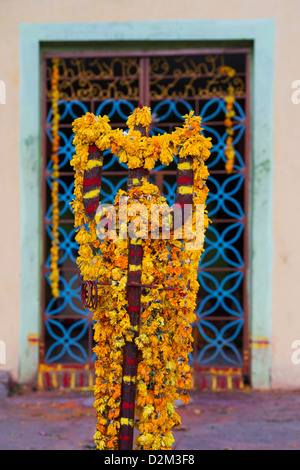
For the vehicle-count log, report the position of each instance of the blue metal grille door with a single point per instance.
(171, 83)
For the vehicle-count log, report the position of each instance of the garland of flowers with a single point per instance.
(54, 250)
(229, 115)
(228, 121)
(165, 335)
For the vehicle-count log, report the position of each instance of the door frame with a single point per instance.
(203, 376)
(256, 34)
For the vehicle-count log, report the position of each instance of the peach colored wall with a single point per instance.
(286, 268)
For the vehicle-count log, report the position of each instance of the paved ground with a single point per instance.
(213, 420)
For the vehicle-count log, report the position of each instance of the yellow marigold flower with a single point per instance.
(167, 440)
(100, 445)
(164, 335)
(147, 411)
(140, 117)
(145, 440)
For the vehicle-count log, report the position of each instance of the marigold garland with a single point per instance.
(229, 115)
(54, 250)
(165, 334)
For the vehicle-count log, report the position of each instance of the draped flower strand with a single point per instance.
(54, 250)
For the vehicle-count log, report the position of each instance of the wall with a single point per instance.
(285, 323)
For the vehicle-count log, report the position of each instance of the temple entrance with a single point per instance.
(172, 83)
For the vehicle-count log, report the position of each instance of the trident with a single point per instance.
(91, 195)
